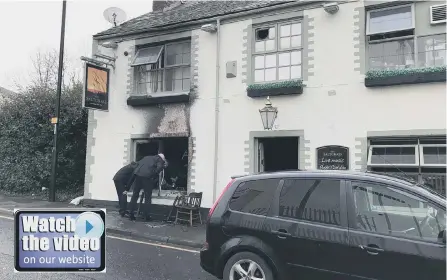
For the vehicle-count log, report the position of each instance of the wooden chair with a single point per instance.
(189, 206)
(173, 208)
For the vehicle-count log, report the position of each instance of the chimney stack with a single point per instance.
(158, 6)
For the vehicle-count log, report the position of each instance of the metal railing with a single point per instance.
(172, 79)
(403, 53)
(402, 56)
(437, 181)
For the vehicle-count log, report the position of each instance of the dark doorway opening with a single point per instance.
(278, 153)
(175, 149)
(145, 148)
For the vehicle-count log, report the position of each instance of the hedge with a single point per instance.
(26, 139)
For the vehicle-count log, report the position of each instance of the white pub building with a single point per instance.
(227, 88)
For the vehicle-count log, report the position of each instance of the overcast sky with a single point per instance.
(31, 26)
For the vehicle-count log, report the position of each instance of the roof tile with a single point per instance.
(187, 12)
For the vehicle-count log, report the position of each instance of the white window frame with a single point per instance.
(277, 25)
(368, 14)
(431, 14)
(166, 67)
(138, 52)
(416, 151)
(421, 155)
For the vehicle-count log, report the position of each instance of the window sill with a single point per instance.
(405, 76)
(275, 89)
(158, 98)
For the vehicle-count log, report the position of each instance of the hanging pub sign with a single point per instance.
(96, 87)
(333, 158)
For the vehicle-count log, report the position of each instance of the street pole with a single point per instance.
(52, 193)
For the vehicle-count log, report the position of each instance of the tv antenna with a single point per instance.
(115, 15)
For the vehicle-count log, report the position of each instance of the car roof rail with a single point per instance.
(238, 176)
(266, 172)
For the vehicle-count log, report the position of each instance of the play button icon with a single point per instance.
(89, 224)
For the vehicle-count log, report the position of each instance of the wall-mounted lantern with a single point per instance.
(268, 115)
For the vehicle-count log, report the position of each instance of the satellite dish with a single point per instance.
(115, 15)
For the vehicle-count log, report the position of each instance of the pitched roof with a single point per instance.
(187, 12)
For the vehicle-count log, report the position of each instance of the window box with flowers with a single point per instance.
(378, 78)
(276, 88)
(397, 53)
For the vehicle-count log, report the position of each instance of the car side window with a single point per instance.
(315, 200)
(388, 210)
(254, 197)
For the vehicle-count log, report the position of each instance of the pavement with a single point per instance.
(154, 231)
(126, 259)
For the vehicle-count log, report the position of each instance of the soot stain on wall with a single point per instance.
(171, 121)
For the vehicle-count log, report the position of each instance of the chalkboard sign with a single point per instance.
(333, 158)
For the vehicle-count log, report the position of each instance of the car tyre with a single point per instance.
(244, 259)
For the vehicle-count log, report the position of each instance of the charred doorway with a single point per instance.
(174, 178)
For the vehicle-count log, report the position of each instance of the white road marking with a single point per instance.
(134, 241)
(153, 244)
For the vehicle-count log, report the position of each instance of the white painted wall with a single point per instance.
(326, 120)
(113, 129)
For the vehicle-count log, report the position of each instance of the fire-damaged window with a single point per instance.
(163, 68)
(422, 159)
(174, 178)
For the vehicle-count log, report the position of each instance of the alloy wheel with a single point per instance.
(246, 270)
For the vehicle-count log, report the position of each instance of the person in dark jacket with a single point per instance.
(123, 180)
(146, 173)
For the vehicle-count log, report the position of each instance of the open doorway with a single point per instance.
(175, 176)
(174, 179)
(277, 153)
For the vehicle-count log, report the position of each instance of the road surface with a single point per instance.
(126, 259)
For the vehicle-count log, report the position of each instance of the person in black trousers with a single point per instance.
(146, 173)
(123, 180)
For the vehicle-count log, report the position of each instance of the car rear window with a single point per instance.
(254, 197)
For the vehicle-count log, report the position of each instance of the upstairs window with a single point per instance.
(432, 50)
(393, 44)
(390, 20)
(277, 52)
(163, 68)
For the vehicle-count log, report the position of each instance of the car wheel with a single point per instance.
(247, 266)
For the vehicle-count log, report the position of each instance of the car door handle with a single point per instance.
(371, 249)
(282, 233)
